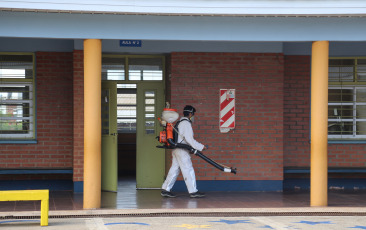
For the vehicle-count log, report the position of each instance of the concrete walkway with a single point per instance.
(151, 219)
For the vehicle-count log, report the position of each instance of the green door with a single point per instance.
(150, 161)
(109, 137)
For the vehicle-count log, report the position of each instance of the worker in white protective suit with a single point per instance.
(181, 158)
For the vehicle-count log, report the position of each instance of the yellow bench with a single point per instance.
(19, 195)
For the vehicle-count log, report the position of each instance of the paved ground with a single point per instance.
(146, 209)
(180, 219)
(180, 223)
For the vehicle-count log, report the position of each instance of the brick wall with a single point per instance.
(255, 147)
(347, 155)
(54, 118)
(78, 161)
(297, 111)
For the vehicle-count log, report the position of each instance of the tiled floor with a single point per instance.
(128, 197)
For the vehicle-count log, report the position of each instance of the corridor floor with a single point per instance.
(128, 197)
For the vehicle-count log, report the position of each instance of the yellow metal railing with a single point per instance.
(23, 195)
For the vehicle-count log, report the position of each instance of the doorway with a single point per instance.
(138, 87)
(126, 127)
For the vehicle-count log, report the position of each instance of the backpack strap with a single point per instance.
(176, 129)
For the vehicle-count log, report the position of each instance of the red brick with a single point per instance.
(258, 80)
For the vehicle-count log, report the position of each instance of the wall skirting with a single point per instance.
(233, 185)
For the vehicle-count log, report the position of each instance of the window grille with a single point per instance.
(347, 98)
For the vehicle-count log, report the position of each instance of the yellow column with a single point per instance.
(92, 123)
(319, 124)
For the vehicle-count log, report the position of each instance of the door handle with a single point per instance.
(114, 134)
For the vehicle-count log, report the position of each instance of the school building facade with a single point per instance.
(82, 86)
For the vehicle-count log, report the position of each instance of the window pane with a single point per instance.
(149, 115)
(145, 69)
(126, 111)
(153, 75)
(14, 126)
(341, 70)
(340, 112)
(149, 94)
(113, 68)
(150, 127)
(14, 118)
(150, 108)
(361, 112)
(14, 92)
(149, 101)
(340, 95)
(361, 95)
(105, 111)
(126, 125)
(341, 62)
(347, 128)
(16, 66)
(126, 86)
(16, 110)
(361, 70)
(135, 75)
(334, 111)
(126, 99)
(361, 128)
(340, 128)
(126, 108)
(361, 120)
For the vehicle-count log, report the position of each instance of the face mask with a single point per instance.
(192, 118)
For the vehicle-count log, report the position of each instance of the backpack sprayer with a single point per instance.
(169, 137)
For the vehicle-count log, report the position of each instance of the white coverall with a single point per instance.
(182, 159)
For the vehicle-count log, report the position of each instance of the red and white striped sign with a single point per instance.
(227, 110)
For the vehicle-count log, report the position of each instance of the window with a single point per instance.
(150, 104)
(347, 98)
(113, 68)
(17, 97)
(145, 69)
(131, 68)
(126, 108)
